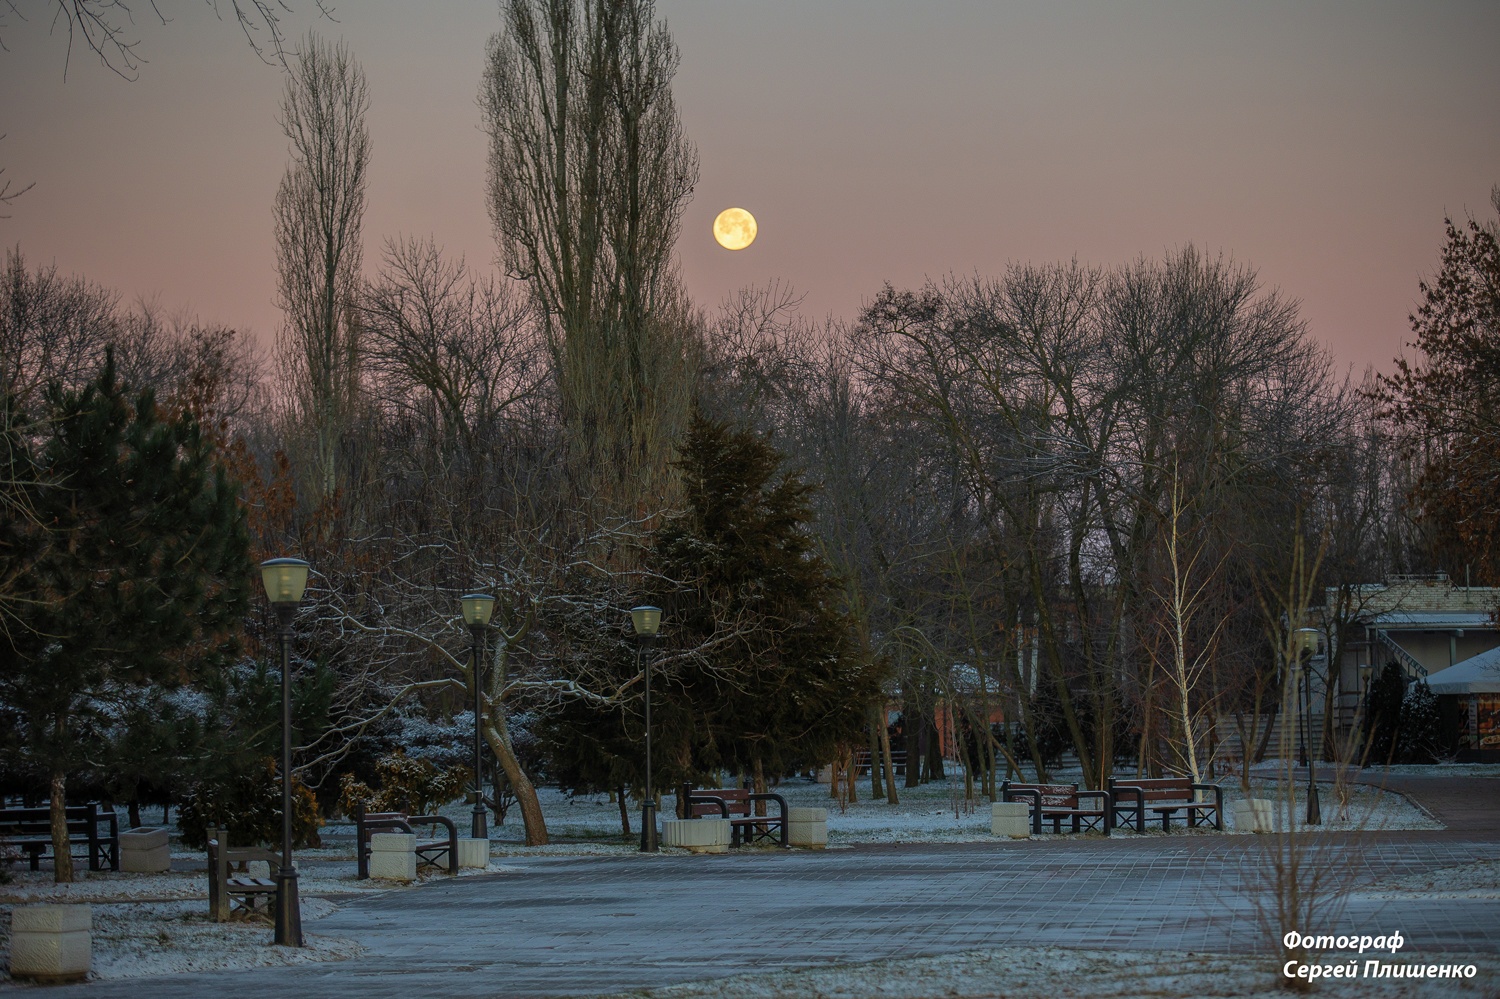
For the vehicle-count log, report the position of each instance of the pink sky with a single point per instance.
(873, 141)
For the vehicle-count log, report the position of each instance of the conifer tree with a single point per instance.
(783, 684)
(139, 570)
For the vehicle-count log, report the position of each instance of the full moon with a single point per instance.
(734, 228)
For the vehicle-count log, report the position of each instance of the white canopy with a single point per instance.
(1477, 675)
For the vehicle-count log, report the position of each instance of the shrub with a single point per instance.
(250, 809)
(407, 784)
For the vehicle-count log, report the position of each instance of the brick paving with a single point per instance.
(570, 926)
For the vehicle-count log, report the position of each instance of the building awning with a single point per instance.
(1477, 675)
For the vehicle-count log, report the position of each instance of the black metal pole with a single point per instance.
(1314, 813)
(1302, 716)
(648, 807)
(479, 828)
(288, 906)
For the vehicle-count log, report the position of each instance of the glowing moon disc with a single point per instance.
(734, 228)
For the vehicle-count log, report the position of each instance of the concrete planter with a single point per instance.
(471, 853)
(393, 856)
(807, 827)
(474, 853)
(145, 851)
(1011, 818)
(1253, 814)
(51, 943)
(697, 835)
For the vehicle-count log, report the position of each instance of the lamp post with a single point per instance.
(1307, 646)
(284, 580)
(646, 621)
(477, 609)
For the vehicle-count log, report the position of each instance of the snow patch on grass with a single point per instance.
(140, 939)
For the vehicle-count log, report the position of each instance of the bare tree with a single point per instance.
(319, 211)
(52, 328)
(590, 173)
(107, 27)
(458, 351)
(7, 195)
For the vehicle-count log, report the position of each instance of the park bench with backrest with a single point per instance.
(1166, 796)
(430, 852)
(230, 887)
(738, 806)
(1057, 803)
(29, 831)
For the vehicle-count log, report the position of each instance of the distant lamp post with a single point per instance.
(1307, 647)
(284, 580)
(477, 610)
(646, 621)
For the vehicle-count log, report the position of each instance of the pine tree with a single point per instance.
(778, 685)
(139, 570)
(1383, 714)
(1418, 740)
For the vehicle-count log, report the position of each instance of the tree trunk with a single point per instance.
(133, 814)
(885, 758)
(914, 736)
(851, 773)
(876, 789)
(498, 737)
(624, 812)
(62, 850)
(934, 751)
(1265, 735)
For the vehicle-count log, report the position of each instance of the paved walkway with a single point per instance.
(1468, 806)
(589, 925)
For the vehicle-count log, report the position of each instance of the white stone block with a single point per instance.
(825, 775)
(1010, 818)
(1253, 814)
(145, 861)
(697, 835)
(807, 827)
(51, 918)
(473, 852)
(393, 856)
(50, 943)
(141, 840)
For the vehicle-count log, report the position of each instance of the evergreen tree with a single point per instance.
(139, 570)
(1418, 739)
(1383, 714)
(778, 684)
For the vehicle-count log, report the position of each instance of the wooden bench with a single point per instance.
(428, 851)
(1058, 802)
(29, 830)
(229, 892)
(738, 806)
(1166, 796)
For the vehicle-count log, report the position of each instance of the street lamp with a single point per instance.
(1307, 646)
(477, 610)
(284, 580)
(646, 621)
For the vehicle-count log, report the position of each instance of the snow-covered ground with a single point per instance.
(1477, 880)
(135, 939)
(932, 813)
(149, 924)
(1047, 972)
